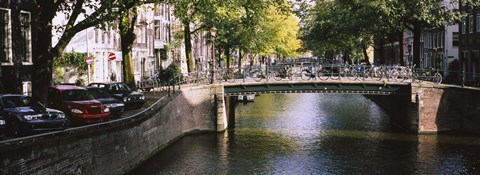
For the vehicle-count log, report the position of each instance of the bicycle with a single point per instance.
(285, 72)
(257, 75)
(407, 73)
(308, 73)
(428, 75)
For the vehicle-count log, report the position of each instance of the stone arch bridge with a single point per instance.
(420, 107)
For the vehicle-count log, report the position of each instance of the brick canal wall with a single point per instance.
(430, 108)
(115, 147)
(443, 108)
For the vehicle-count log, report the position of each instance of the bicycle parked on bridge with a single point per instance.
(407, 73)
(283, 73)
(231, 74)
(258, 74)
(428, 74)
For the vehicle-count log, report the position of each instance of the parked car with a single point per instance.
(121, 91)
(78, 104)
(116, 106)
(24, 116)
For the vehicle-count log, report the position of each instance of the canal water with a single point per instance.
(315, 134)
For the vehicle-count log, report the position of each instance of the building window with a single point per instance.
(470, 23)
(5, 37)
(26, 48)
(27, 88)
(157, 29)
(455, 39)
(478, 22)
(464, 25)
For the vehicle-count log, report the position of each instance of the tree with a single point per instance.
(374, 19)
(245, 25)
(237, 21)
(44, 54)
(71, 60)
(103, 12)
(345, 25)
(189, 12)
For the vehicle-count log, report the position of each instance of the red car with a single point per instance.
(78, 104)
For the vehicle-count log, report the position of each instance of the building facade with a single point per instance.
(470, 44)
(440, 46)
(16, 47)
(149, 51)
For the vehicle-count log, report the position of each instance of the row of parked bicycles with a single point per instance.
(319, 72)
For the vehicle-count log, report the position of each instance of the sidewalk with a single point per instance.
(155, 94)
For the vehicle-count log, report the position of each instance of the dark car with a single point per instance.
(25, 116)
(78, 104)
(121, 91)
(116, 106)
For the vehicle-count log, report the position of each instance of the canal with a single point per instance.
(315, 134)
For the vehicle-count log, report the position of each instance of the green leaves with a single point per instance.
(74, 59)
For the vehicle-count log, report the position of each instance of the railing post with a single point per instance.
(462, 79)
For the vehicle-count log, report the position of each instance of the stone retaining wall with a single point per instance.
(115, 147)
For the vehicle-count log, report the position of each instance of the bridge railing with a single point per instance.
(313, 71)
(310, 71)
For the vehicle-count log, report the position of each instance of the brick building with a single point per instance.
(16, 46)
(470, 43)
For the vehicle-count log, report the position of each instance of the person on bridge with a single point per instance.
(113, 76)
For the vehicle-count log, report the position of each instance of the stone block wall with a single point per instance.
(443, 108)
(116, 147)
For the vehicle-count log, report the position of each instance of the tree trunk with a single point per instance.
(417, 32)
(228, 56)
(188, 46)
(365, 55)
(127, 37)
(239, 58)
(42, 56)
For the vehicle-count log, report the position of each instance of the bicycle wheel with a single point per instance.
(276, 75)
(367, 75)
(230, 76)
(352, 75)
(393, 75)
(437, 78)
(257, 75)
(306, 75)
(377, 75)
(342, 74)
(332, 74)
(410, 76)
(323, 75)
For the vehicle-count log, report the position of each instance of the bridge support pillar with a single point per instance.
(230, 103)
(427, 109)
(220, 107)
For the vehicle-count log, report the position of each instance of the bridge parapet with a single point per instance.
(350, 87)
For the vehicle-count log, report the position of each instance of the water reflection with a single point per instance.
(315, 134)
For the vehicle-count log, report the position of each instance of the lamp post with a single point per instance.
(213, 32)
